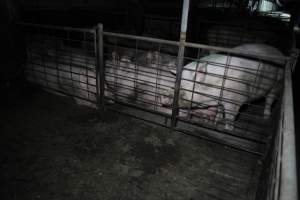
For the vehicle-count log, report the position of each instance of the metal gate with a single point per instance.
(141, 74)
(137, 76)
(63, 60)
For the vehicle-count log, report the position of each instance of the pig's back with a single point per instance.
(260, 49)
(251, 76)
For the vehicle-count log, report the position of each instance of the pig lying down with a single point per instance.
(228, 81)
(64, 73)
(212, 88)
(140, 79)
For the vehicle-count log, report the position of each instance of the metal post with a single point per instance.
(100, 67)
(184, 21)
(288, 184)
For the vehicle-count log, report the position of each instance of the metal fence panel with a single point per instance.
(137, 75)
(138, 72)
(230, 91)
(62, 59)
(224, 91)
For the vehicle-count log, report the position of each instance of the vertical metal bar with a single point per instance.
(184, 21)
(100, 71)
(96, 64)
(95, 38)
(136, 68)
(194, 85)
(29, 50)
(220, 98)
(158, 76)
(43, 57)
(71, 59)
(55, 57)
(85, 70)
(86, 65)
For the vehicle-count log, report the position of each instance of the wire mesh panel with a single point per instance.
(138, 72)
(62, 60)
(231, 91)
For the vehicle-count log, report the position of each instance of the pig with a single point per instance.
(139, 79)
(63, 73)
(123, 66)
(229, 81)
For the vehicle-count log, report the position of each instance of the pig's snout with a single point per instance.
(166, 99)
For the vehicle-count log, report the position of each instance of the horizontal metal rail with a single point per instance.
(66, 28)
(272, 59)
(142, 38)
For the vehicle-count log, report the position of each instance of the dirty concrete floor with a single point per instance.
(54, 149)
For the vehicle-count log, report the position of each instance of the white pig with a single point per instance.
(140, 79)
(64, 73)
(230, 81)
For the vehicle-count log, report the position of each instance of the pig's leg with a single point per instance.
(219, 115)
(212, 113)
(231, 111)
(207, 114)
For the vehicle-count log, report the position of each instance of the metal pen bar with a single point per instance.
(65, 28)
(97, 65)
(60, 70)
(101, 73)
(184, 21)
(143, 38)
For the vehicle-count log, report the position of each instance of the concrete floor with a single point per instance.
(54, 149)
